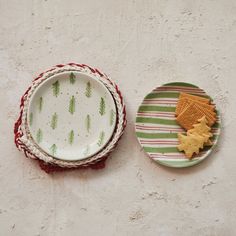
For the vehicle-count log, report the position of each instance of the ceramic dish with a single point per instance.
(24, 140)
(156, 127)
(71, 116)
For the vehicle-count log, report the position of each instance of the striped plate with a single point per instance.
(156, 127)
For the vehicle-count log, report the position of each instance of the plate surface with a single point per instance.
(71, 116)
(157, 129)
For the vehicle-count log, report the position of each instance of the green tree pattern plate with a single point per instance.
(71, 116)
(157, 129)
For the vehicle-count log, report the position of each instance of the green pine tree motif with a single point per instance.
(87, 151)
(71, 137)
(72, 78)
(112, 117)
(40, 104)
(53, 149)
(72, 105)
(101, 138)
(39, 136)
(56, 88)
(54, 121)
(88, 122)
(102, 106)
(88, 91)
(31, 119)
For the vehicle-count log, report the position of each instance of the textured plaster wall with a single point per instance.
(140, 44)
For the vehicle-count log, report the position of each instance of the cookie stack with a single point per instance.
(195, 114)
(191, 108)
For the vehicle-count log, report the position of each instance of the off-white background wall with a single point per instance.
(140, 44)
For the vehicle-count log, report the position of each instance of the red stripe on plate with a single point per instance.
(181, 156)
(179, 88)
(156, 112)
(159, 142)
(149, 102)
(174, 156)
(161, 100)
(158, 128)
(156, 115)
(184, 91)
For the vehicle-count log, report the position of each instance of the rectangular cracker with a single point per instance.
(208, 109)
(194, 97)
(190, 115)
(210, 118)
(185, 103)
(180, 105)
(185, 96)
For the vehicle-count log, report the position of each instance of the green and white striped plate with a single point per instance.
(157, 129)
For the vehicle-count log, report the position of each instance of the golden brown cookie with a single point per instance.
(183, 102)
(181, 105)
(190, 144)
(211, 118)
(188, 117)
(201, 128)
(194, 97)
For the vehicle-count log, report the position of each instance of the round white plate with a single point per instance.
(71, 116)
